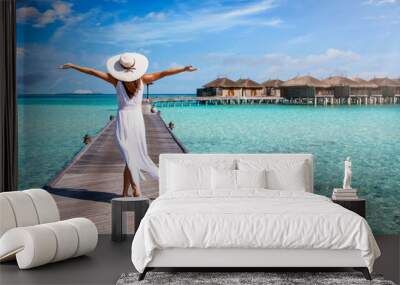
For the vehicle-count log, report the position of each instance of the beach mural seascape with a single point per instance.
(369, 134)
(268, 81)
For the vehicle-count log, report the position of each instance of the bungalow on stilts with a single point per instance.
(272, 87)
(249, 88)
(389, 88)
(365, 92)
(307, 89)
(220, 87)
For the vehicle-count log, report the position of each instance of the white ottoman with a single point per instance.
(32, 233)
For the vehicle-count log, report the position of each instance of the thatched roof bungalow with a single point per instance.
(397, 88)
(298, 89)
(364, 88)
(305, 87)
(248, 83)
(387, 85)
(222, 86)
(305, 81)
(249, 87)
(341, 85)
(272, 83)
(272, 87)
(387, 82)
(222, 82)
(340, 81)
(364, 83)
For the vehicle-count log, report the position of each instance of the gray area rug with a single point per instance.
(232, 278)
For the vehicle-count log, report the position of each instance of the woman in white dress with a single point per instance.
(126, 72)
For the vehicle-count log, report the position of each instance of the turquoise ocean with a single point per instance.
(51, 128)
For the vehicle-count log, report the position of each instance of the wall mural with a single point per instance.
(248, 77)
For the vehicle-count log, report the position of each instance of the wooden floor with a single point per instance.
(85, 187)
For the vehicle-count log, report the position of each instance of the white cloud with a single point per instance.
(179, 26)
(369, 74)
(381, 2)
(252, 9)
(378, 65)
(118, 1)
(301, 39)
(59, 11)
(377, 18)
(25, 14)
(156, 16)
(83, 91)
(274, 22)
(175, 65)
(40, 73)
(71, 22)
(278, 59)
(385, 19)
(272, 65)
(330, 54)
(144, 50)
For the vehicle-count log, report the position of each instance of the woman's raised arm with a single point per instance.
(91, 71)
(148, 78)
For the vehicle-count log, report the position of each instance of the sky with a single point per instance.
(257, 39)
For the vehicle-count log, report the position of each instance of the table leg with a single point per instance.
(140, 211)
(116, 222)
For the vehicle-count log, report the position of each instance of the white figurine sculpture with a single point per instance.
(347, 174)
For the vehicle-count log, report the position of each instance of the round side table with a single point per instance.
(139, 205)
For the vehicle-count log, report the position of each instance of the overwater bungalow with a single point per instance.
(272, 87)
(220, 87)
(388, 88)
(365, 92)
(397, 91)
(349, 91)
(249, 88)
(302, 89)
(340, 86)
(307, 89)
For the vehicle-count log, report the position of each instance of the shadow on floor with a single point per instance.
(82, 194)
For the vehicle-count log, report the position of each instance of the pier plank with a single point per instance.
(94, 176)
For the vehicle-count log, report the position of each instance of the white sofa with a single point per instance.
(31, 231)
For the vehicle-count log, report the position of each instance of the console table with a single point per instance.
(139, 205)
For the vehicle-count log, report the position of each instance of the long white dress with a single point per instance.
(131, 135)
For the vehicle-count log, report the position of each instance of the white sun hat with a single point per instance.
(127, 66)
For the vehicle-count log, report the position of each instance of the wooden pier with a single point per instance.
(215, 100)
(315, 100)
(86, 186)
